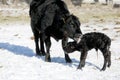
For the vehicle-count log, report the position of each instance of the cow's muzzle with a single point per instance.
(77, 37)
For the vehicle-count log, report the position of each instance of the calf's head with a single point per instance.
(70, 47)
(72, 27)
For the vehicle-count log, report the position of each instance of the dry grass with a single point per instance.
(12, 19)
(117, 22)
(97, 12)
(116, 27)
(104, 29)
(118, 31)
(88, 12)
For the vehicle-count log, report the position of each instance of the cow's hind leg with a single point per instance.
(36, 38)
(42, 44)
(48, 45)
(36, 35)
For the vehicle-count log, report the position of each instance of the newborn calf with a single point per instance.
(89, 41)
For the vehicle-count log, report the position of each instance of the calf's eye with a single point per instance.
(72, 47)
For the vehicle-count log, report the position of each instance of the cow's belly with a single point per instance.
(56, 34)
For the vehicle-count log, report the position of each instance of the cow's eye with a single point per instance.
(71, 24)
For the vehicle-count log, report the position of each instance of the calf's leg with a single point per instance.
(106, 58)
(109, 59)
(82, 59)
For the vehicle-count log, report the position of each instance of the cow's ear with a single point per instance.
(64, 20)
(69, 18)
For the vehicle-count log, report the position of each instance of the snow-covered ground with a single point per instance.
(17, 51)
(18, 60)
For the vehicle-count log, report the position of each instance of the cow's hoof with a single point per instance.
(68, 61)
(40, 53)
(43, 54)
(47, 58)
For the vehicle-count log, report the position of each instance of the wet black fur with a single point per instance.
(89, 41)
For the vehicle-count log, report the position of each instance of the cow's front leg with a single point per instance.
(64, 43)
(42, 44)
(48, 45)
(36, 35)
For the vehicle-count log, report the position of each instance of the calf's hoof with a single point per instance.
(79, 67)
(103, 69)
(108, 65)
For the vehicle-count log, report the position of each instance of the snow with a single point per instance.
(18, 60)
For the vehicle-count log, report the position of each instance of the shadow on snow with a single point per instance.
(17, 49)
(75, 62)
(21, 50)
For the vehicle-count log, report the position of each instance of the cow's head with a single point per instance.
(72, 27)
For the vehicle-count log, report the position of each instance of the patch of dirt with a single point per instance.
(118, 31)
(118, 58)
(104, 29)
(1, 66)
(117, 22)
(117, 28)
(32, 38)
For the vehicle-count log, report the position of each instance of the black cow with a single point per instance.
(89, 41)
(51, 18)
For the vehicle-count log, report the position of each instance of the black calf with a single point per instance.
(89, 41)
